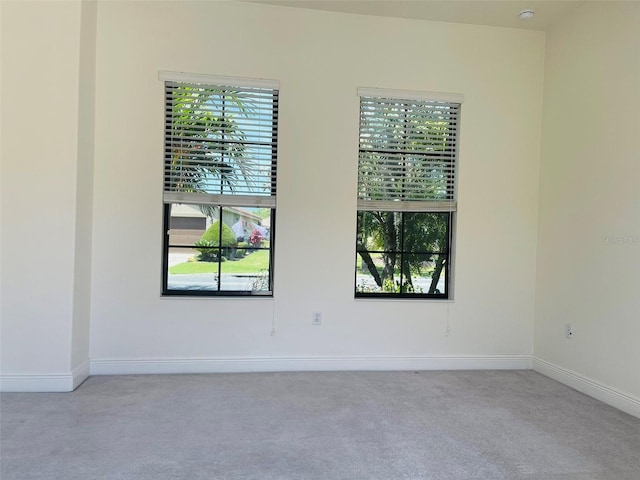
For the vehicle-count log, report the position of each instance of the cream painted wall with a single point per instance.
(84, 185)
(589, 229)
(320, 59)
(40, 51)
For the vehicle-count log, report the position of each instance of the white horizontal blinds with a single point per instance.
(408, 151)
(220, 144)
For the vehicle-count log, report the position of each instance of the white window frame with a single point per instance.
(389, 204)
(246, 194)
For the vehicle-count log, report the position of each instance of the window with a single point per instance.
(219, 199)
(406, 194)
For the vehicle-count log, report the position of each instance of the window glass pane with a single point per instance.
(186, 273)
(187, 223)
(379, 231)
(415, 262)
(247, 270)
(368, 270)
(423, 274)
(425, 232)
(212, 256)
(377, 272)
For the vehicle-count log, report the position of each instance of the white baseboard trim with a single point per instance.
(45, 382)
(81, 373)
(292, 364)
(597, 390)
(67, 382)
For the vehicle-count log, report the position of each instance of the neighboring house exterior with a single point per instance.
(187, 217)
(231, 215)
(188, 223)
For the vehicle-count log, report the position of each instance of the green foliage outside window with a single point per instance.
(396, 245)
(211, 238)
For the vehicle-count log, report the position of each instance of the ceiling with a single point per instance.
(501, 13)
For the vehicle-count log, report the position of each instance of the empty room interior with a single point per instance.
(425, 259)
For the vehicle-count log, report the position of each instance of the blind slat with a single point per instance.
(407, 206)
(220, 141)
(373, 93)
(224, 200)
(408, 152)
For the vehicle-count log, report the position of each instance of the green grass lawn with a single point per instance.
(253, 263)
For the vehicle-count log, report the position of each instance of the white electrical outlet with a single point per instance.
(568, 331)
(316, 318)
